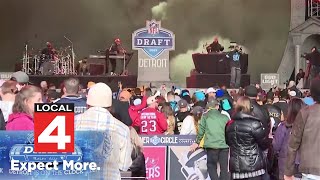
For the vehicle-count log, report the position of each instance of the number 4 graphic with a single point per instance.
(61, 138)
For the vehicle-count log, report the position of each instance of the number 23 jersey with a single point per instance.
(152, 122)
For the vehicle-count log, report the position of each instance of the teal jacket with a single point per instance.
(212, 128)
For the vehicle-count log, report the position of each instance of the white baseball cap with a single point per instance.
(292, 93)
(211, 90)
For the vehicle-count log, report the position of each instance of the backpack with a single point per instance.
(225, 104)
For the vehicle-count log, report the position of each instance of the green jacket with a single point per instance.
(212, 128)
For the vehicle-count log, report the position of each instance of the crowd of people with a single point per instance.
(249, 133)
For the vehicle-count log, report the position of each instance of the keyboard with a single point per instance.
(103, 56)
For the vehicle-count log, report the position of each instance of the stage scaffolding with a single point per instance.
(313, 8)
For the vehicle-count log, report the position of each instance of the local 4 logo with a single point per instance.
(54, 127)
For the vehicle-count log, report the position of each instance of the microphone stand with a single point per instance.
(124, 60)
(72, 55)
(26, 63)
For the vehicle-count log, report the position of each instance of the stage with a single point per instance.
(210, 80)
(127, 81)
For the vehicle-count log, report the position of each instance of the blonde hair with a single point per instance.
(244, 105)
(26, 93)
(136, 141)
(168, 112)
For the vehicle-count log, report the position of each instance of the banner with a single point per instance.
(5, 75)
(153, 44)
(186, 165)
(269, 80)
(19, 161)
(168, 140)
(155, 158)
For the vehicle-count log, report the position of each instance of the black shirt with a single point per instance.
(234, 56)
(299, 76)
(283, 105)
(120, 111)
(314, 58)
(47, 51)
(215, 47)
(114, 49)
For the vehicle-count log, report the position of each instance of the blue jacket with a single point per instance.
(80, 103)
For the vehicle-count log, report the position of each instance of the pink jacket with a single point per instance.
(20, 122)
(134, 111)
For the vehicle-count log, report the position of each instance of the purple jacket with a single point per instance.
(280, 145)
(20, 122)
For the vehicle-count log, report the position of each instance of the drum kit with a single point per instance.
(60, 63)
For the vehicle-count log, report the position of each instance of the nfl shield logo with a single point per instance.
(153, 27)
(155, 140)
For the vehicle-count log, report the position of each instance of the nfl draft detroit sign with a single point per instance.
(153, 44)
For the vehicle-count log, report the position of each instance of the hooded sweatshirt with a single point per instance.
(20, 122)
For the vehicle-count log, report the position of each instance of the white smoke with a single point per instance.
(159, 11)
(182, 64)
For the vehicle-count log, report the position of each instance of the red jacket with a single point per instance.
(135, 110)
(152, 122)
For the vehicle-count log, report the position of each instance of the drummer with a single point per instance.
(47, 53)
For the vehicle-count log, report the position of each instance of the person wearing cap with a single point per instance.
(151, 120)
(171, 98)
(70, 95)
(199, 99)
(211, 92)
(21, 78)
(212, 127)
(226, 102)
(304, 139)
(292, 87)
(136, 106)
(185, 94)
(234, 56)
(283, 102)
(275, 112)
(99, 118)
(308, 101)
(191, 122)
(259, 111)
(182, 114)
(292, 94)
(262, 114)
(116, 49)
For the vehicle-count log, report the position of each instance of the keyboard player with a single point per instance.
(115, 49)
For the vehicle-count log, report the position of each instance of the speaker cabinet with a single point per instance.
(96, 69)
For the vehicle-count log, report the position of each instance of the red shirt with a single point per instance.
(152, 122)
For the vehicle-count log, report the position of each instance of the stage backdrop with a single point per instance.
(261, 26)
